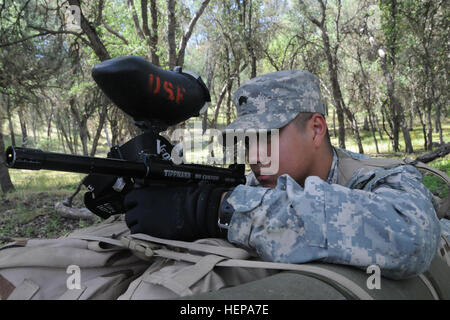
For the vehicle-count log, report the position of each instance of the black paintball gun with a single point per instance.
(155, 99)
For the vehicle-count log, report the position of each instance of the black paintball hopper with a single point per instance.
(149, 93)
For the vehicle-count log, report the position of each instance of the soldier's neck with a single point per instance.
(322, 165)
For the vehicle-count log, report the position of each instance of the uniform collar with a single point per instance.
(333, 174)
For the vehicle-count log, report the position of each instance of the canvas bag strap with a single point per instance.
(315, 271)
(110, 241)
(24, 291)
(228, 252)
(318, 272)
(181, 281)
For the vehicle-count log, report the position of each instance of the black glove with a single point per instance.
(186, 212)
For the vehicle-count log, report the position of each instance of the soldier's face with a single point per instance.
(296, 155)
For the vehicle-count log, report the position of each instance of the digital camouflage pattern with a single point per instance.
(445, 228)
(272, 100)
(393, 225)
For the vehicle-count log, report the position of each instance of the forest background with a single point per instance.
(383, 68)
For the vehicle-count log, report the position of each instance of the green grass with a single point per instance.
(436, 185)
(384, 145)
(34, 198)
(44, 180)
(30, 213)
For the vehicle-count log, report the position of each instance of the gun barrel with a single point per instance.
(35, 159)
(152, 168)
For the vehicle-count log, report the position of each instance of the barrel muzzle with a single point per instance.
(23, 158)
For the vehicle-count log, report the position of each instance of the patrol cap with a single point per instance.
(272, 100)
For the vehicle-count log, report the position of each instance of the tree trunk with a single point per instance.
(219, 102)
(33, 127)
(65, 133)
(94, 40)
(108, 140)
(438, 121)
(334, 123)
(430, 128)
(442, 151)
(5, 179)
(11, 126)
(356, 132)
(171, 25)
(384, 114)
(336, 89)
(210, 75)
(411, 117)
(23, 127)
(84, 136)
(114, 126)
(395, 108)
(49, 122)
(341, 129)
(374, 134)
(331, 55)
(406, 134)
(81, 122)
(61, 140)
(99, 129)
(366, 124)
(248, 38)
(424, 128)
(150, 37)
(377, 124)
(229, 94)
(75, 134)
(188, 33)
(154, 35)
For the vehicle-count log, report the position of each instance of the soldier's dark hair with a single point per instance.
(300, 122)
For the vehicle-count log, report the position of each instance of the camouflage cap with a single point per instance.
(272, 100)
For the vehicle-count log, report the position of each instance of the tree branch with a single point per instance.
(110, 30)
(24, 39)
(135, 19)
(94, 41)
(144, 14)
(187, 35)
(442, 151)
(171, 25)
(309, 16)
(48, 31)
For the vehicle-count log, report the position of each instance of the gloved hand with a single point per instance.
(185, 213)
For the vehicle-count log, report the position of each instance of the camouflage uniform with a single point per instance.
(392, 223)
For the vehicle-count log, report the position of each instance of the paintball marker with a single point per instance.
(155, 99)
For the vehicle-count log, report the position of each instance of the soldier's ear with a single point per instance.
(320, 128)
